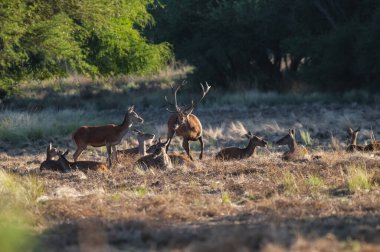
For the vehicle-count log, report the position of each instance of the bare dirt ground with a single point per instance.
(262, 203)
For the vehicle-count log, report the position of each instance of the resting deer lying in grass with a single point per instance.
(144, 140)
(81, 165)
(241, 153)
(106, 135)
(183, 123)
(49, 163)
(353, 146)
(353, 134)
(158, 159)
(296, 151)
(175, 158)
(374, 145)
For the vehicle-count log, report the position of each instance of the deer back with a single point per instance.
(89, 166)
(51, 165)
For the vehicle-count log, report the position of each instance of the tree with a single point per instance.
(277, 45)
(43, 39)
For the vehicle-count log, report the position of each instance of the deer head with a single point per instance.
(353, 134)
(52, 152)
(184, 111)
(288, 139)
(158, 147)
(63, 162)
(144, 137)
(131, 116)
(257, 141)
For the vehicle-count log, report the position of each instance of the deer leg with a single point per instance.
(109, 155)
(185, 145)
(115, 153)
(79, 151)
(202, 146)
(169, 136)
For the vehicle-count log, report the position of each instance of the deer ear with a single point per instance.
(292, 132)
(131, 108)
(50, 146)
(349, 130)
(357, 130)
(137, 131)
(65, 153)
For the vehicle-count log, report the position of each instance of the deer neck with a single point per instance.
(142, 147)
(293, 145)
(250, 149)
(126, 124)
(353, 140)
(48, 156)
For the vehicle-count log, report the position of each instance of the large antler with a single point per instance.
(174, 91)
(190, 108)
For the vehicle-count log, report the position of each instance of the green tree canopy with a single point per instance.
(41, 39)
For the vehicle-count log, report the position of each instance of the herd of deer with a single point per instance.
(181, 122)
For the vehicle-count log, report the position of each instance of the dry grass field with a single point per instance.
(329, 203)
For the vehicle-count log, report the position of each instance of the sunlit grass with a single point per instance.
(358, 178)
(306, 138)
(18, 210)
(21, 126)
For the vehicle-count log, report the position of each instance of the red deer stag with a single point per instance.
(184, 123)
(241, 153)
(106, 135)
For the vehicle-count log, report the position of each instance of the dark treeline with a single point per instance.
(326, 45)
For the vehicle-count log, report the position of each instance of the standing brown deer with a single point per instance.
(81, 165)
(49, 163)
(296, 151)
(158, 159)
(353, 134)
(240, 153)
(106, 135)
(183, 123)
(143, 139)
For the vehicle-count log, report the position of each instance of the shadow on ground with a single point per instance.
(249, 232)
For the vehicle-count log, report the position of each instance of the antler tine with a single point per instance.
(204, 93)
(136, 130)
(174, 92)
(171, 111)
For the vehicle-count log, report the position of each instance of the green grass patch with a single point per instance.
(288, 182)
(358, 178)
(226, 198)
(306, 138)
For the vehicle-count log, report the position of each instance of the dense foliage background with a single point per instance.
(276, 44)
(325, 45)
(41, 39)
